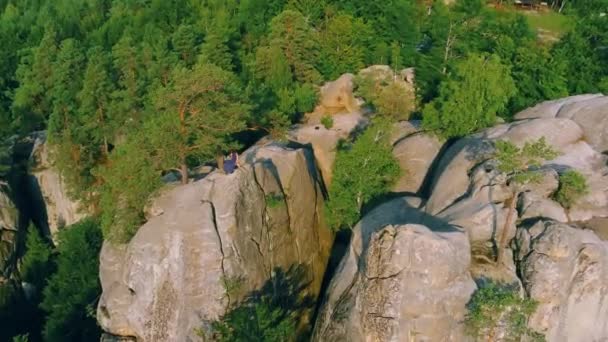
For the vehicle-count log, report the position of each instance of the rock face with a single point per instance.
(61, 211)
(337, 96)
(404, 277)
(415, 154)
(239, 228)
(590, 112)
(565, 269)
(9, 234)
(324, 141)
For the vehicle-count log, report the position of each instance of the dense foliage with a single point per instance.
(72, 291)
(495, 310)
(363, 170)
(470, 98)
(129, 90)
(572, 186)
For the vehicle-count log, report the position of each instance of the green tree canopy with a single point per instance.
(74, 289)
(363, 170)
(470, 98)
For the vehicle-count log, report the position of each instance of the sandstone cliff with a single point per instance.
(171, 278)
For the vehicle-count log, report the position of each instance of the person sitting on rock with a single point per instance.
(231, 163)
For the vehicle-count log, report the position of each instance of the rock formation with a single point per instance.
(377, 294)
(404, 277)
(9, 234)
(239, 229)
(565, 269)
(412, 263)
(337, 96)
(325, 140)
(61, 210)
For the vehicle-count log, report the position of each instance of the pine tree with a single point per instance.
(290, 31)
(521, 167)
(32, 102)
(185, 43)
(36, 263)
(96, 127)
(343, 42)
(198, 111)
(67, 77)
(74, 288)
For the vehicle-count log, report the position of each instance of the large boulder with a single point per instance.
(415, 154)
(451, 178)
(337, 96)
(590, 112)
(404, 276)
(173, 276)
(565, 270)
(61, 210)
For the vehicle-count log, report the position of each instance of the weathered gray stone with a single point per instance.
(549, 109)
(589, 111)
(533, 206)
(566, 271)
(61, 210)
(170, 278)
(399, 281)
(415, 155)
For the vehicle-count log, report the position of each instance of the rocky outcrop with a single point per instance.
(565, 270)
(590, 112)
(404, 277)
(415, 154)
(9, 234)
(61, 210)
(337, 96)
(324, 140)
(182, 267)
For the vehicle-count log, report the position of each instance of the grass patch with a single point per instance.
(327, 121)
(549, 22)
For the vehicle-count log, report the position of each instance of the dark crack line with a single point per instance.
(219, 238)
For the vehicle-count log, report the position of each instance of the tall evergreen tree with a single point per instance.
(198, 111)
(32, 101)
(343, 41)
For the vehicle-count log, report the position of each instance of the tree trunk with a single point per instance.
(183, 169)
(502, 243)
(446, 53)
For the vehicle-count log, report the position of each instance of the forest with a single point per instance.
(130, 90)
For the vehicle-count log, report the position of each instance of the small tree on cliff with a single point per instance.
(199, 110)
(495, 309)
(362, 171)
(521, 167)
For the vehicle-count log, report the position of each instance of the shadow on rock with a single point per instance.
(279, 311)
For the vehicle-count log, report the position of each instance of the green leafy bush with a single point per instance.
(306, 97)
(327, 121)
(388, 98)
(572, 186)
(270, 314)
(74, 288)
(494, 308)
(470, 98)
(362, 171)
